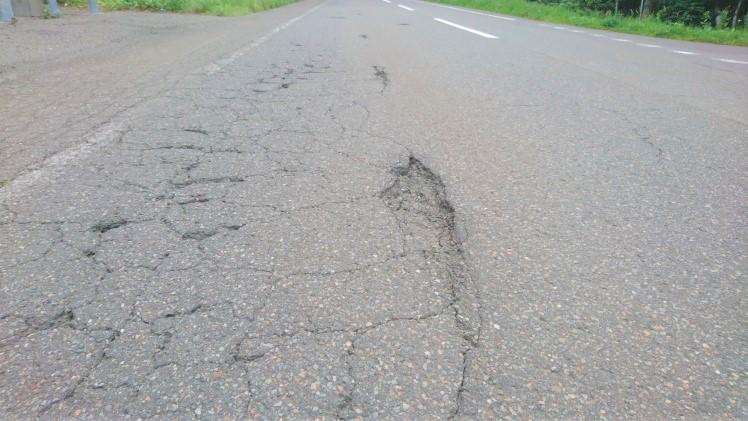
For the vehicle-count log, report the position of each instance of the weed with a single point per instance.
(211, 7)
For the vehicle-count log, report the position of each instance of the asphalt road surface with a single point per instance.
(374, 209)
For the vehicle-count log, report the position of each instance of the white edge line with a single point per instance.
(473, 12)
(216, 66)
(55, 166)
(729, 60)
(465, 28)
(687, 53)
(405, 7)
(621, 39)
(648, 45)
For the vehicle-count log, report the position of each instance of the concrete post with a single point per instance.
(92, 7)
(54, 9)
(28, 8)
(6, 11)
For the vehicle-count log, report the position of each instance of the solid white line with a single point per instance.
(464, 28)
(648, 45)
(621, 39)
(405, 7)
(687, 53)
(729, 60)
(474, 12)
(55, 166)
(216, 66)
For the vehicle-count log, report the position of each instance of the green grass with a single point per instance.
(210, 7)
(646, 26)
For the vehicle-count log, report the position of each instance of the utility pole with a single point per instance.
(92, 7)
(641, 9)
(6, 11)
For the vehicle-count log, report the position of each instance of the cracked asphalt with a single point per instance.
(346, 210)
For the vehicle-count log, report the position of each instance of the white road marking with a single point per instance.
(216, 66)
(405, 7)
(599, 35)
(648, 45)
(56, 165)
(577, 31)
(621, 39)
(387, 1)
(545, 25)
(687, 53)
(472, 12)
(559, 27)
(729, 60)
(464, 28)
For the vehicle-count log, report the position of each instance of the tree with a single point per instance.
(735, 14)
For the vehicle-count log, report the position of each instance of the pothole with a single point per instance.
(383, 76)
(418, 199)
(108, 225)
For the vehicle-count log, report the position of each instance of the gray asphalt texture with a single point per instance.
(345, 209)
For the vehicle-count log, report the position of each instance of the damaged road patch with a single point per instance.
(108, 225)
(418, 199)
(255, 256)
(383, 76)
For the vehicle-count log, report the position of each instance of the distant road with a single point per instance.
(374, 209)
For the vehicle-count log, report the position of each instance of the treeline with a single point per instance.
(720, 14)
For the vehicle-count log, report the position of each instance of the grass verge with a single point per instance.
(210, 7)
(589, 19)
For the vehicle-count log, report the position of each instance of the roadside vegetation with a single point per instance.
(210, 7)
(715, 21)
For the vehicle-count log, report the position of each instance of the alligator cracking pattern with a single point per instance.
(239, 247)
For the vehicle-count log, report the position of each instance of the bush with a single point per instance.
(609, 22)
(687, 12)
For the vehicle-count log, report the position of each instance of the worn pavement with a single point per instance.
(348, 209)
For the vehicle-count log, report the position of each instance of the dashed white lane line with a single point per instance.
(405, 7)
(729, 60)
(560, 28)
(387, 1)
(465, 28)
(472, 12)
